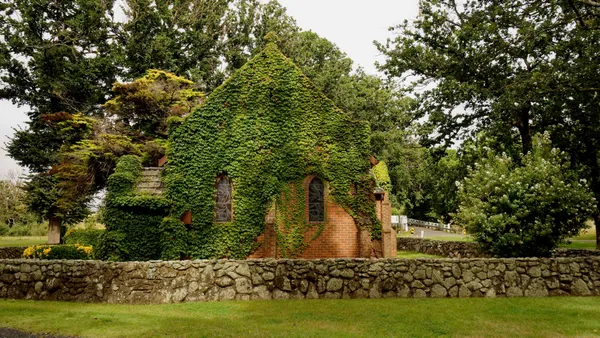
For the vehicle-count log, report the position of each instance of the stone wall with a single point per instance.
(440, 248)
(167, 282)
(452, 249)
(12, 252)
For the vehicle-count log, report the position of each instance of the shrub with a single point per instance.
(4, 229)
(19, 230)
(89, 237)
(524, 210)
(58, 252)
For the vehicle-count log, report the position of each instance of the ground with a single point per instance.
(22, 240)
(523, 317)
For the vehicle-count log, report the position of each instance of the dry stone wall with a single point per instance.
(12, 252)
(217, 280)
(448, 249)
(453, 249)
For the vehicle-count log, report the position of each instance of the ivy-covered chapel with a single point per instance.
(267, 166)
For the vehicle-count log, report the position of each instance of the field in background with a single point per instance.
(22, 241)
(412, 255)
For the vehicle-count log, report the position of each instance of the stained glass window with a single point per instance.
(316, 200)
(224, 204)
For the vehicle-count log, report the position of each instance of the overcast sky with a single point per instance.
(351, 24)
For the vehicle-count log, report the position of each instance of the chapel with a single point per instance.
(266, 167)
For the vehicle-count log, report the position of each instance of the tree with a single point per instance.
(136, 125)
(524, 210)
(55, 57)
(510, 70)
(182, 37)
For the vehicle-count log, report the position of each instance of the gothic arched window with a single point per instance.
(316, 200)
(224, 209)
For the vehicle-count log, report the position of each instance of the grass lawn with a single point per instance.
(22, 241)
(580, 245)
(522, 317)
(412, 254)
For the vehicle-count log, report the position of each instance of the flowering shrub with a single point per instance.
(524, 210)
(75, 251)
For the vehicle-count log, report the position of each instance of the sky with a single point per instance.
(351, 24)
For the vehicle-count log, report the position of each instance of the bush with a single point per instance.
(58, 252)
(524, 210)
(89, 237)
(19, 230)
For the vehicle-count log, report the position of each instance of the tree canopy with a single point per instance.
(507, 69)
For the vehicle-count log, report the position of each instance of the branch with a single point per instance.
(581, 22)
(590, 2)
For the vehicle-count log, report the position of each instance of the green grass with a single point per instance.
(22, 241)
(523, 317)
(412, 254)
(580, 245)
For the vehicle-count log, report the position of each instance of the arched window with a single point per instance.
(224, 208)
(316, 200)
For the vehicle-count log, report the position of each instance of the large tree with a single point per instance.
(509, 69)
(55, 57)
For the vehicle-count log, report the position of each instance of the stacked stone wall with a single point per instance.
(12, 252)
(168, 282)
(453, 249)
(448, 249)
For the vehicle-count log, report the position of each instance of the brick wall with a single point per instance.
(340, 237)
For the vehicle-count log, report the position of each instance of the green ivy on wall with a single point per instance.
(266, 127)
(133, 220)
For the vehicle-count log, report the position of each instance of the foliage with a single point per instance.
(382, 176)
(141, 107)
(65, 251)
(56, 57)
(88, 237)
(240, 131)
(291, 223)
(133, 221)
(524, 210)
(13, 207)
(183, 37)
(510, 70)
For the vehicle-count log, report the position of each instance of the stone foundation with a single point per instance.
(216, 280)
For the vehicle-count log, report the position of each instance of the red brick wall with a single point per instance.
(339, 237)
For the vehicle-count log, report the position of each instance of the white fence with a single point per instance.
(404, 222)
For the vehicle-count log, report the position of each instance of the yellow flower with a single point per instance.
(46, 251)
(29, 251)
(86, 249)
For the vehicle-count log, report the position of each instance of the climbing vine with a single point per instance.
(291, 223)
(267, 128)
(133, 219)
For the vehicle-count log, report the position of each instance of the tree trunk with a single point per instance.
(54, 230)
(525, 129)
(597, 223)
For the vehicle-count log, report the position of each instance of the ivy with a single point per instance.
(382, 176)
(267, 128)
(291, 224)
(132, 219)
